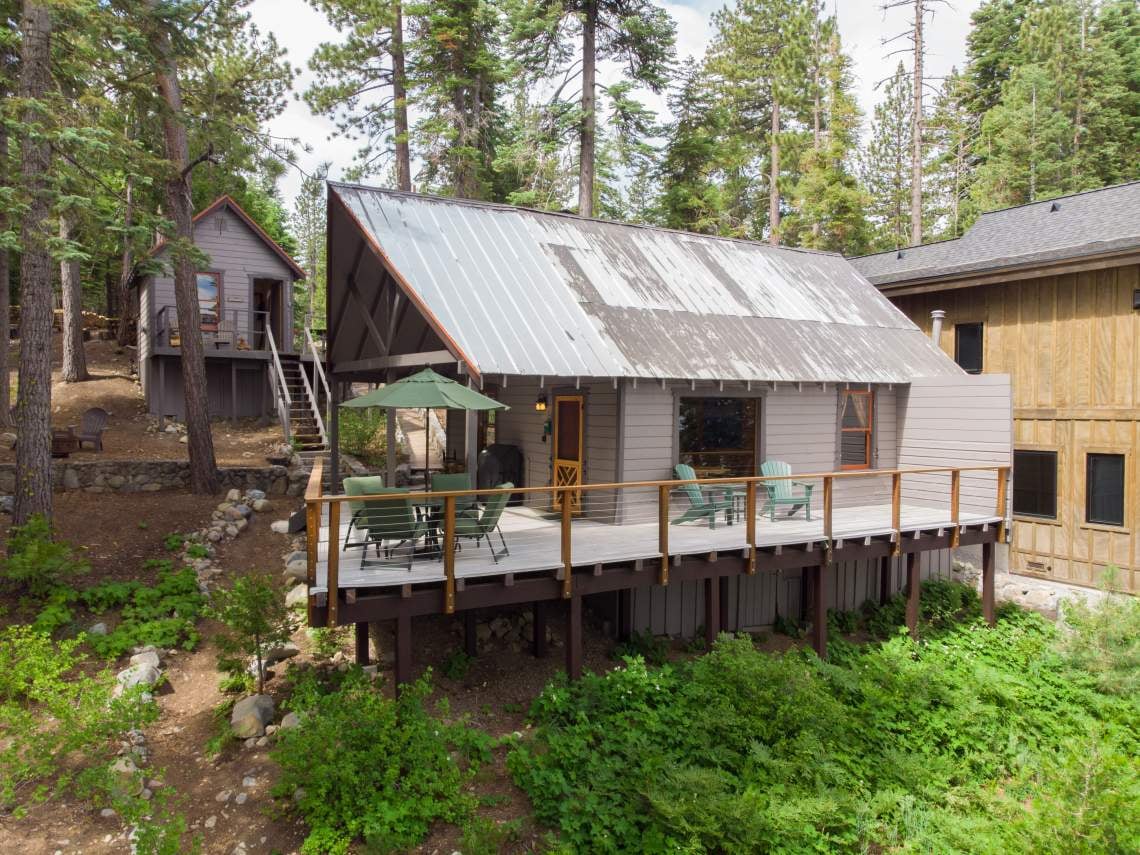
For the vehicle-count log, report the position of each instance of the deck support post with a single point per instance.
(470, 639)
(988, 567)
(538, 642)
(913, 592)
(625, 614)
(723, 584)
(884, 580)
(403, 648)
(712, 610)
(361, 632)
(574, 636)
(819, 609)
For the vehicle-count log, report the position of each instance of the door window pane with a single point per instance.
(968, 347)
(569, 425)
(208, 305)
(855, 430)
(1035, 483)
(718, 435)
(1104, 489)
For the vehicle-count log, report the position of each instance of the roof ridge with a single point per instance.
(1088, 192)
(504, 206)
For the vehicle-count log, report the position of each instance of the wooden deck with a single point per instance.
(534, 542)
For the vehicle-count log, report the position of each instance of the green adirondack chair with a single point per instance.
(780, 492)
(477, 525)
(703, 504)
(448, 482)
(390, 524)
(368, 485)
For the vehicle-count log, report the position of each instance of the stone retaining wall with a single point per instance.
(124, 476)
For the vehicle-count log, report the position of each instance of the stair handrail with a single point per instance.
(318, 364)
(277, 383)
(313, 405)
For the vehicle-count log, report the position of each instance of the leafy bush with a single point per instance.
(254, 613)
(1105, 641)
(173, 542)
(164, 614)
(197, 550)
(363, 433)
(653, 649)
(56, 721)
(327, 640)
(456, 665)
(372, 768)
(36, 563)
(972, 740)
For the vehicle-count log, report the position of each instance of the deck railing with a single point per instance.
(232, 329)
(653, 502)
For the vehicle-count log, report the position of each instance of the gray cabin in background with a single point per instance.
(245, 296)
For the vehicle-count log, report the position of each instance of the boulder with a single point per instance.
(233, 495)
(260, 505)
(147, 657)
(255, 495)
(97, 629)
(142, 674)
(234, 512)
(290, 721)
(298, 597)
(297, 569)
(279, 526)
(280, 653)
(250, 715)
(125, 777)
(70, 479)
(7, 440)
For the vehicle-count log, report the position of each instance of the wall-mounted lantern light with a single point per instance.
(540, 403)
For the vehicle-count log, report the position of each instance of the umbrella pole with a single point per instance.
(427, 450)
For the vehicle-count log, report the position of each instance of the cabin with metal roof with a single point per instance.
(253, 351)
(623, 351)
(1048, 293)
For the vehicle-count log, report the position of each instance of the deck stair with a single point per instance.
(300, 395)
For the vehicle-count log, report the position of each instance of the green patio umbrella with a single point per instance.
(426, 390)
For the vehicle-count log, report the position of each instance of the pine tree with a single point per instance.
(951, 163)
(886, 164)
(760, 53)
(309, 224)
(635, 33)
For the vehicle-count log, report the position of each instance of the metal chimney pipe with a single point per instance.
(937, 316)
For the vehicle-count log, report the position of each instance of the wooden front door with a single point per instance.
(568, 449)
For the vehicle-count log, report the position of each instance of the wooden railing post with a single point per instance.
(896, 511)
(955, 498)
(567, 567)
(828, 494)
(663, 530)
(334, 561)
(1003, 478)
(750, 524)
(449, 554)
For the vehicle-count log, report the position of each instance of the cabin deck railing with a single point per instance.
(746, 492)
(241, 330)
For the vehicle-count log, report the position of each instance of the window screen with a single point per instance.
(1104, 489)
(1035, 483)
(855, 430)
(968, 347)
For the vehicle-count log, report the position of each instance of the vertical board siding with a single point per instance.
(1070, 344)
(252, 382)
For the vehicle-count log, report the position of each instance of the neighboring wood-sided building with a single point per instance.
(245, 296)
(1049, 293)
(623, 350)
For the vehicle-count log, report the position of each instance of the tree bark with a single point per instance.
(5, 284)
(400, 96)
(127, 262)
(71, 286)
(589, 124)
(33, 408)
(916, 132)
(774, 178)
(200, 442)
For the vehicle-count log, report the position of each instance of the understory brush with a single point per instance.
(361, 766)
(972, 739)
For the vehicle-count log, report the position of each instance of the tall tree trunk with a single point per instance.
(200, 442)
(774, 178)
(127, 262)
(589, 123)
(916, 132)
(817, 106)
(71, 285)
(33, 408)
(5, 284)
(400, 96)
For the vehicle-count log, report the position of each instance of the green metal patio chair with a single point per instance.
(368, 485)
(703, 504)
(389, 524)
(446, 483)
(477, 525)
(780, 492)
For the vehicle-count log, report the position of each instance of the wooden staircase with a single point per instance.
(304, 429)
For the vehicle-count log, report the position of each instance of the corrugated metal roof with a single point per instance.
(1088, 223)
(532, 293)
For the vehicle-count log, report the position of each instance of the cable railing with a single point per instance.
(396, 539)
(277, 382)
(229, 330)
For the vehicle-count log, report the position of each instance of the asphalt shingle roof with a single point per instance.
(1089, 223)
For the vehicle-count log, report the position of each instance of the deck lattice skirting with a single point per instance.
(556, 556)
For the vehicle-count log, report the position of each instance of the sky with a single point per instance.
(863, 27)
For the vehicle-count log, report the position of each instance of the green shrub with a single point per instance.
(1105, 641)
(36, 563)
(256, 619)
(974, 739)
(456, 665)
(58, 720)
(372, 768)
(363, 433)
(327, 640)
(653, 649)
(197, 550)
(173, 542)
(164, 614)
